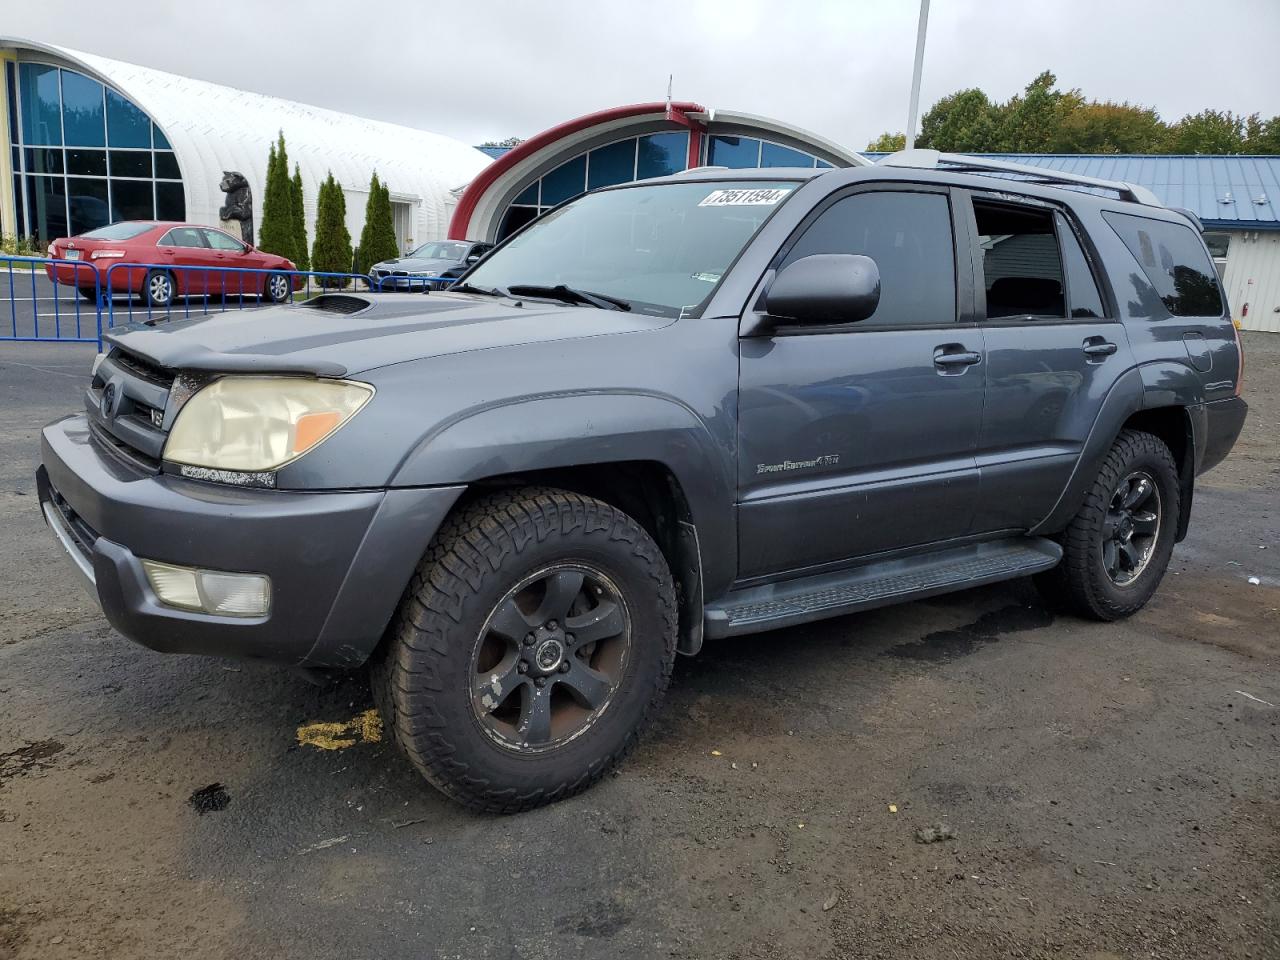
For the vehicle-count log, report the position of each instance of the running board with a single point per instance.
(825, 595)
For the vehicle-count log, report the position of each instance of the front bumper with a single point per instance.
(338, 560)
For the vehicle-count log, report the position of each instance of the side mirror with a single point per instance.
(824, 288)
(474, 258)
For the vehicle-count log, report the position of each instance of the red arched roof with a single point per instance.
(461, 219)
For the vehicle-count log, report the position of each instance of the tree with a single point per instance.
(509, 142)
(1261, 136)
(1209, 131)
(1030, 123)
(378, 238)
(965, 122)
(303, 258)
(1109, 128)
(888, 143)
(332, 250)
(276, 234)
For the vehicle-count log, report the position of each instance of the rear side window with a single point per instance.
(1022, 269)
(909, 237)
(1082, 289)
(1174, 262)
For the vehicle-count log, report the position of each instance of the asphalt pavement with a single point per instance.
(1107, 790)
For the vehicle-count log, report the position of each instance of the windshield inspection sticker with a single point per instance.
(745, 198)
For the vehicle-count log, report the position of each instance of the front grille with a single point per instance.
(128, 408)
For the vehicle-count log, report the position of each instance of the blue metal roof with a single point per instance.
(1241, 192)
(494, 152)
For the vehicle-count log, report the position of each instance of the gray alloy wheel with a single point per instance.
(549, 657)
(1131, 528)
(278, 288)
(159, 289)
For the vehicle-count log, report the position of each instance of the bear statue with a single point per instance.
(237, 215)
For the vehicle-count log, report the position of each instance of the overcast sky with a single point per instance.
(488, 69)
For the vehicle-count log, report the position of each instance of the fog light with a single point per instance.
(209, 591)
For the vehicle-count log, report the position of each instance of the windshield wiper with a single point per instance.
(568, 295)
(468, 288)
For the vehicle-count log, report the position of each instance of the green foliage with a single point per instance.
(276, 234)
(1209, 131)
(888, 143)
(332, 250)
(22, 247)
(965, 122)
(1109, 128)
(378, 238)
(303, 258)
(509, 142)
(1044, 119)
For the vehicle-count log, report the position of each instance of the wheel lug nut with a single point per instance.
(568, 638)
(523, 667)
(541, 681)
(528, 640)
(551, 625)
(564, 667)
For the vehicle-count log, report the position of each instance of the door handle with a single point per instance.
(947, 357)
(1096, 347)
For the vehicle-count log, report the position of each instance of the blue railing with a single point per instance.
(46, 280)
(168, 288)
(75, 301)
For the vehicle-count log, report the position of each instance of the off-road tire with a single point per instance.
(421, 673)
(1080, 584)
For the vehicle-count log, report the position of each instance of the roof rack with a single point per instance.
(934, 160)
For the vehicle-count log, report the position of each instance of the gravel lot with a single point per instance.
(1114, 790)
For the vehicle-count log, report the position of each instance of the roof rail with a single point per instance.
(934, 160)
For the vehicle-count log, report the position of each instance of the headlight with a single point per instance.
(261, 423)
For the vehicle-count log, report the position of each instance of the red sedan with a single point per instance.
(177, 258)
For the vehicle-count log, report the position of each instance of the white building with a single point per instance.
(88, 140)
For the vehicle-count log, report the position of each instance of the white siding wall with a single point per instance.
(1253, 277)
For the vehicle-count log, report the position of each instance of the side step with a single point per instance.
(790, 602)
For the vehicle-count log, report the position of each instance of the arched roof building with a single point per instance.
(623, 144)
(89, 139)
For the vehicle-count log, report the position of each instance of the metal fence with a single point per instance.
(74, 301)
(42, 308)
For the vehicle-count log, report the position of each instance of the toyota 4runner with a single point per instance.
(701, 406)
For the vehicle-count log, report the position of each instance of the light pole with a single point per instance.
(914, 109)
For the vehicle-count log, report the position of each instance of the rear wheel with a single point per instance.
(158, 290)
(88, 293)
(1117, 547)
(534, 642)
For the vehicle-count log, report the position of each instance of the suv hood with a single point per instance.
(326, 338)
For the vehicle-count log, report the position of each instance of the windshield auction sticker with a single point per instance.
(745, 198)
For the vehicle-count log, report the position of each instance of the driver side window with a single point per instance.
(221, 241)
(909, 237)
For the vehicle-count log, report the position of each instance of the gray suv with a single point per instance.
(701, 406)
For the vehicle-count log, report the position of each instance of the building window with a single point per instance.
(744, 153)
(1218, 244)
(661, 154)
(66, 181)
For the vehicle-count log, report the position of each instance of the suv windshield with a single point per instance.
(660, 248)
(440, 250)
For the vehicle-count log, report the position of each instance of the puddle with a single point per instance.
(209, 799)
(962, 641)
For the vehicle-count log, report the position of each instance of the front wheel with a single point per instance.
(278, 288)
(535, 641)
(1117, 547)
(158, 291)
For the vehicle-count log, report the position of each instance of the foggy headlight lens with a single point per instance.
(261, 423)
(209, 591)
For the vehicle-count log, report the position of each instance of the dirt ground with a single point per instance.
(1113, 790)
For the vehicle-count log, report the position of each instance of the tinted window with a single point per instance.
(171, 204)
(220, 241)
(908, 235)
(773, 155)
(118, 231)
(1175, 264)
(88, 202)
(1022, 269)
(132, 200)
(130, 163)
(92, 163)
(565, 181)
(183, 237)
(1082, 289)
(737, 153)
(41, 104)
(661, 154)
(127, 126)
(82, 111)
(615, 163)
